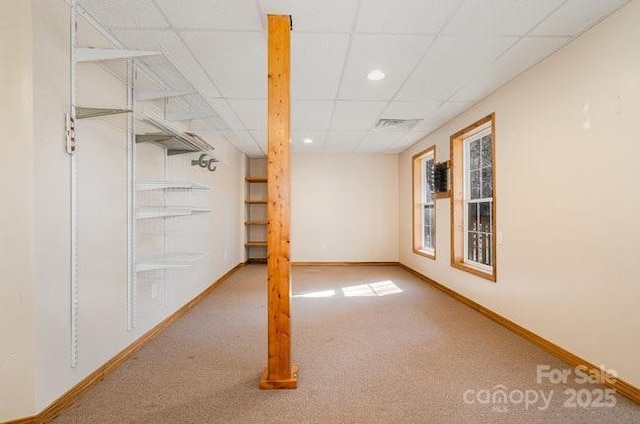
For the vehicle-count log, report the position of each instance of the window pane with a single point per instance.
(486, 150)
(427, 240)
(485, 217)
(487, 183)
(428, 237)
(472, 251)
(472, 217)
(474, 154)
(474, 184)
(484, 249)
(428, 183)
(428, 214)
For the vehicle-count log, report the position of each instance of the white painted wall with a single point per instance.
(344, 208)
(567, 198)
(17, 320)
(34, 225)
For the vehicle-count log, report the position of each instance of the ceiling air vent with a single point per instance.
(395, 124)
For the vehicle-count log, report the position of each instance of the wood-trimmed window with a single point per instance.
(473, 205)
(424, 212)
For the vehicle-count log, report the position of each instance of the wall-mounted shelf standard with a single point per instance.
(95, 112)
(168, 260)
(174, 141)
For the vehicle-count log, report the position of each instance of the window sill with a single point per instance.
(491, 276)
(426, 253)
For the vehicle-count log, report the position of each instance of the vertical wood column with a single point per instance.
(280, 373)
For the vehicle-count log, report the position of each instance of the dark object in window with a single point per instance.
(440, 177)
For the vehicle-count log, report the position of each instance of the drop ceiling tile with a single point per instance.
(395, 55)
(356, 116)
(378, 142)
(298, 145)
(226, 113)
(446, 112)
(407, 17)
(527, 52)
(211, 14)
(407, 140)
(235, 61)
(168, 41)
(343, 141)
(206, 124)
(297, 137)
(125, 13)
(451, 63)
(252, 113)
(260, 137)
(576, 16)
(499, 17)
(314, 15)
(410, 110)
(312, 77)
(311, 114)
(245, 141)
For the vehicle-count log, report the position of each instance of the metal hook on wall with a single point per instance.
(209, 163)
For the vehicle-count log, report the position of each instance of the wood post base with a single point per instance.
(290, 383)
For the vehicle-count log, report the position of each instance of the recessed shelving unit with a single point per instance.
(256, 210)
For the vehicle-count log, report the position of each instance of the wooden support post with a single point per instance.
(280, 373)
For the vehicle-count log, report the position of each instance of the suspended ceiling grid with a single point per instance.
(439, 57)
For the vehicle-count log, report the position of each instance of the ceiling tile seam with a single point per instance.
(195, 58)
(255, 141)
(154, 28)
(602, 18)
(534, 36)
(221, 31)
(548, 15)
(343, 100)
(418, 62)
(225, 99)
(544, 18)
(444, 26)
(107, 34)
(392, 34)
(354, 148)
(424, 55)
(519, 40)
(344, 63)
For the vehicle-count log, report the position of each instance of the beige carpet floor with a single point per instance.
(374, 345)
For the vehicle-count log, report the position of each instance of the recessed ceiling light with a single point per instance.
(375, 75)
(307, 141)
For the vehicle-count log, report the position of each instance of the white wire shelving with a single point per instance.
(169, 260)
